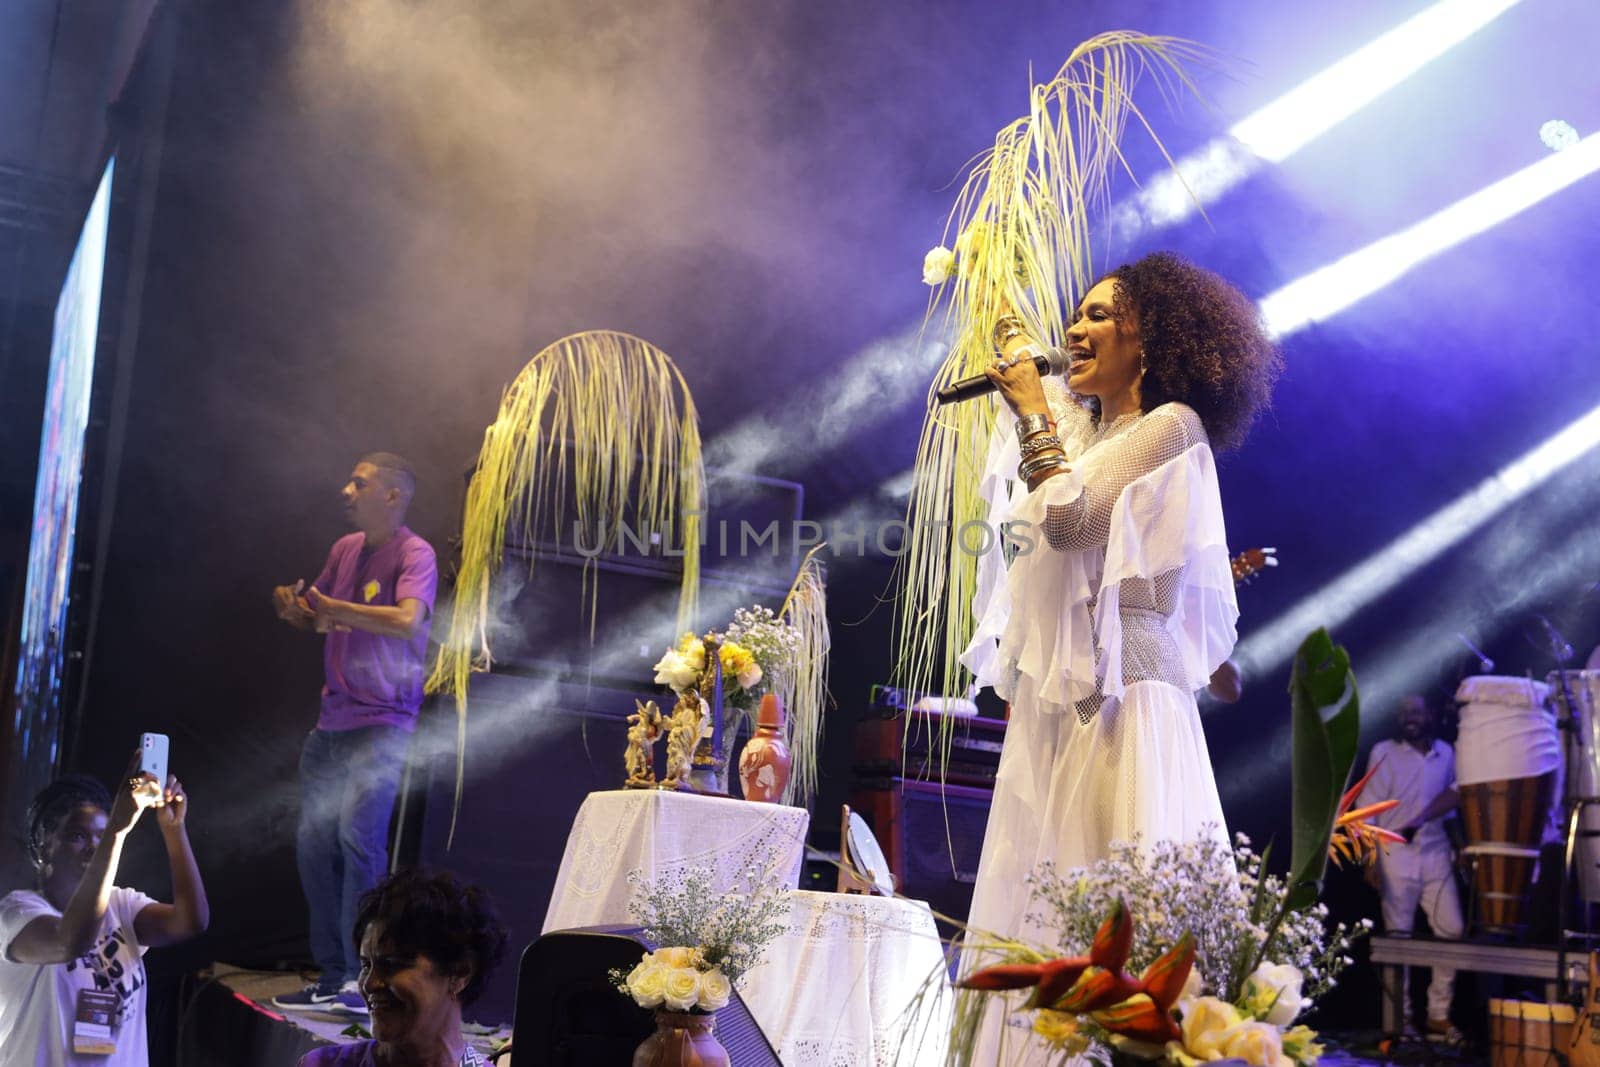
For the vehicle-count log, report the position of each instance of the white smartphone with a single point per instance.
(153, 757)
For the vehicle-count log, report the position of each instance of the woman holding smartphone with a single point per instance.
(72, 979)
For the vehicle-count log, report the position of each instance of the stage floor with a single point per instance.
(232, 1023)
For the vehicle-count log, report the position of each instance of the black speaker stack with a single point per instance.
(931, 829)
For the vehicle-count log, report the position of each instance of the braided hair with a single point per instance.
(54, 803)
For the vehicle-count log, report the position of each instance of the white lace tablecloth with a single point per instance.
(655, 832)
(841, 988)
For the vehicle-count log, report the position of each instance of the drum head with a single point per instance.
(866, 857)
(1507, 689)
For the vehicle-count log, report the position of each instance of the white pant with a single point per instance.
(1415, 876)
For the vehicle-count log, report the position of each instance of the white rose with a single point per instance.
(674, 958)
(1207, 1022)
(647, 983)
(715, 991)
(673, 671)
(937, 265)
(1278, 984)
(682, 989)
(749, 676)
(1258, 1044)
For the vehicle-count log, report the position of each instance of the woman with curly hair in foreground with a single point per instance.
(1118, 604)
(427, 944)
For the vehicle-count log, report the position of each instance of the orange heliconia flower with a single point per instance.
(1354, 838)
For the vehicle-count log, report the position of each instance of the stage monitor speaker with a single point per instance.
(570, 1014)
(932, 859)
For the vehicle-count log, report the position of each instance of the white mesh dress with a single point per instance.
(1099, 637)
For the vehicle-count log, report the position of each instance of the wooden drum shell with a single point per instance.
(1509, 813)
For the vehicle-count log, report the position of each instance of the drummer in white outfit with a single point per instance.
(1419, 771)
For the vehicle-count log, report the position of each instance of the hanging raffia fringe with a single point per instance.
(1021, 234)
(804, 690)
(609, 415)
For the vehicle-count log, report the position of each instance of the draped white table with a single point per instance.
(653, 833)
(841, 988)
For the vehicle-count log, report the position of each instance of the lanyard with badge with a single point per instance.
(97, 1020)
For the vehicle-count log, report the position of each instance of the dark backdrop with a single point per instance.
(370, 216)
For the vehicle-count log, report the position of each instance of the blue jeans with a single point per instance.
(348, 782)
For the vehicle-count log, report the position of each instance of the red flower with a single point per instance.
(1096, 985)
(1140, 1018)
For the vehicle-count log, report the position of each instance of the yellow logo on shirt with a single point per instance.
(370, 590)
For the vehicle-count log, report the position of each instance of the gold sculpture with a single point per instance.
(684, 728)
(644, 730)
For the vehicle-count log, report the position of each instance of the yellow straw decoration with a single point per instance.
(609, 415)
(805, 689)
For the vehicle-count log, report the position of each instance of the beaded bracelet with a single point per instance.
(1038, 443)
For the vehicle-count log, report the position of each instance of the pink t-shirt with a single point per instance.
(372, 680)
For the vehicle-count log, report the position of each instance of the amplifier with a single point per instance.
(932, 836)
(892, 741)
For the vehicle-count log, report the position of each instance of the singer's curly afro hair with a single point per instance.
(1204, 344)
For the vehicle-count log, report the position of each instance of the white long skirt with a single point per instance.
(1064, 793)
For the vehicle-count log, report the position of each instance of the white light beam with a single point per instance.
(1357, 587)
(1331, 289)
(1277, 130)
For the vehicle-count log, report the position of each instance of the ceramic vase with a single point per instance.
(764, 766)
(682, 1039)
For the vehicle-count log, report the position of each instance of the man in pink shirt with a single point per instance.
(374, 602)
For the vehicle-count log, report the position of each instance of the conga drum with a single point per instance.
(1508, 759)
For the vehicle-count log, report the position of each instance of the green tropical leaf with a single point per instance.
(1325, 710)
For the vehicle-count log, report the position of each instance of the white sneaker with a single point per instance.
(350, 1001)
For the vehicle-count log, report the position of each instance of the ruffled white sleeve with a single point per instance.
(1142, 505)
(1167, 530)
(1032, 616)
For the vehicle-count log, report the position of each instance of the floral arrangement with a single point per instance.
(1227, 955)
(1208, 892)
(710, 938)
(761, 651)
(756, 649)
(1202, 912)
(678, 979)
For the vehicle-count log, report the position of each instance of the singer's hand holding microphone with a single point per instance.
(1014, 375)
